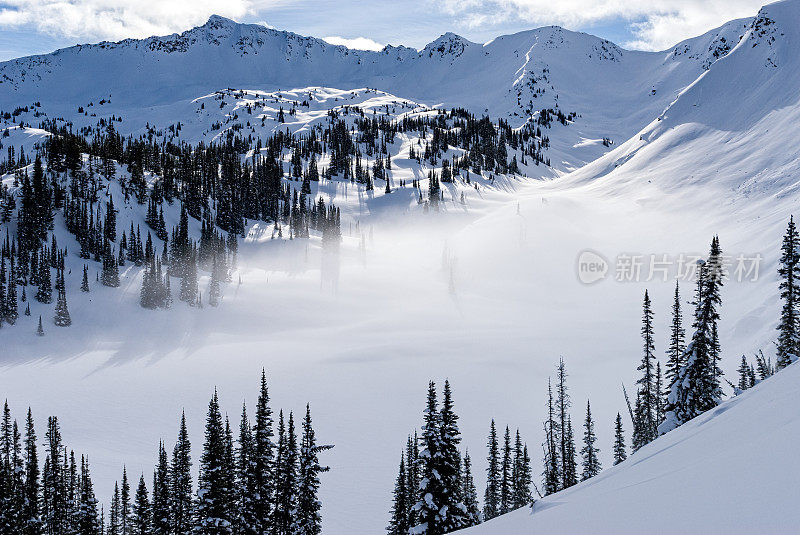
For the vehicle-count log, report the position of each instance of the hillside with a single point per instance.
(720, 473)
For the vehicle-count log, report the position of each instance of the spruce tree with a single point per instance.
(125, 523)
(285, 478)
(161, 489)
(697, 387)
(521, 491)
(398, 523)
(140, 521)
(308, 516)
(505, 475)
(85, 280)
(432, 491)
(491, 498)
(744, 375)
(214, 497)
(31, 511)
(552, 474)
(644, 425)
(263, 460)
(789, 272)
(453, 510)
(181, 510)
(62, 317)
(591, 460)
(245, 479)
(88, 522)
(470, 494)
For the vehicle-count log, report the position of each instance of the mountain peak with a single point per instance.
(216, 21)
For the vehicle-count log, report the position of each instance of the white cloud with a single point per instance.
(118, 19)
(358, 43)
(656, 24)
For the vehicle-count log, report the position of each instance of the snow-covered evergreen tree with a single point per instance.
(789, 272)
(589, 452)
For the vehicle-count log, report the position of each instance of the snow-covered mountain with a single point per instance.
(614, 92)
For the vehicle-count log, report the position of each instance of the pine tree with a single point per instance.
(140, 522)
(308, 517)
(62, 317)
(505, 478)
(412, 472)
(470, 494)
(644, 425)
(245, 479)
(491, 498)
(161, 487)
(114, 517)
(521, 492)
(398, 524)
(569, 475)
(85, 281)
(263, 459)
(789, 272)
(591, 461)
(453, 511)
(181, 509)
(31, 511)
(214, 497)
(40, 329)
(125, 520)
(88, 522)
(552, 474)
(744, 375)
(697, 387)
(431, 492)
(285, 478)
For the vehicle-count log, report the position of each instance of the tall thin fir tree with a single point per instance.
(181, 505)
(245, 520)
(140, 523)
(491, 498)
(552, 473)
(308, 519)
(470, 494)
(644, 425)
(697, 387)
(453, 510)
(431, 493)
(160, 506)
(589, 452)
(31, 512)
(677, 340)
(398, 522)
(263, 460)
(506, 474)
(789, 273)
(569, 476)
(521, 491)
(619, 441)
(214, 496)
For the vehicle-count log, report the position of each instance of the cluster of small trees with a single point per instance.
(254, 485)
(435, 491)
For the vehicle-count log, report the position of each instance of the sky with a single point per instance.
(39, 26)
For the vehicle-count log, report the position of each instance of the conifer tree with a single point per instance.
(569, 474)
(677, 337)
(40, 329)
(644, 425)
(744, 375)
(412, 472)
(140, 521)
(591, 461)
(263, 460)
(521, 492)
(88, 522)
(85, 281)
(245, 479)
(789, 272)
(552, 474)
(398, 523)
(180, 478)
(697, 387)
(308, 516)
(125, 521)
(506, 475)
(160, 506)
(491, 498)
(470, 494)
(62, 317)
(214, 497)
(114, 517)
(453, 510)
(31, 511)
(431, 492)
(285, 478)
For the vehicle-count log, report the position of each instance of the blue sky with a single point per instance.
(39, 26)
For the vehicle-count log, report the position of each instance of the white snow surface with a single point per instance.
(485, 294)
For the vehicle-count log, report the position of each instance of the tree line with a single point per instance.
(265, 482)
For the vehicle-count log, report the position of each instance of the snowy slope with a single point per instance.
(727, 471)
